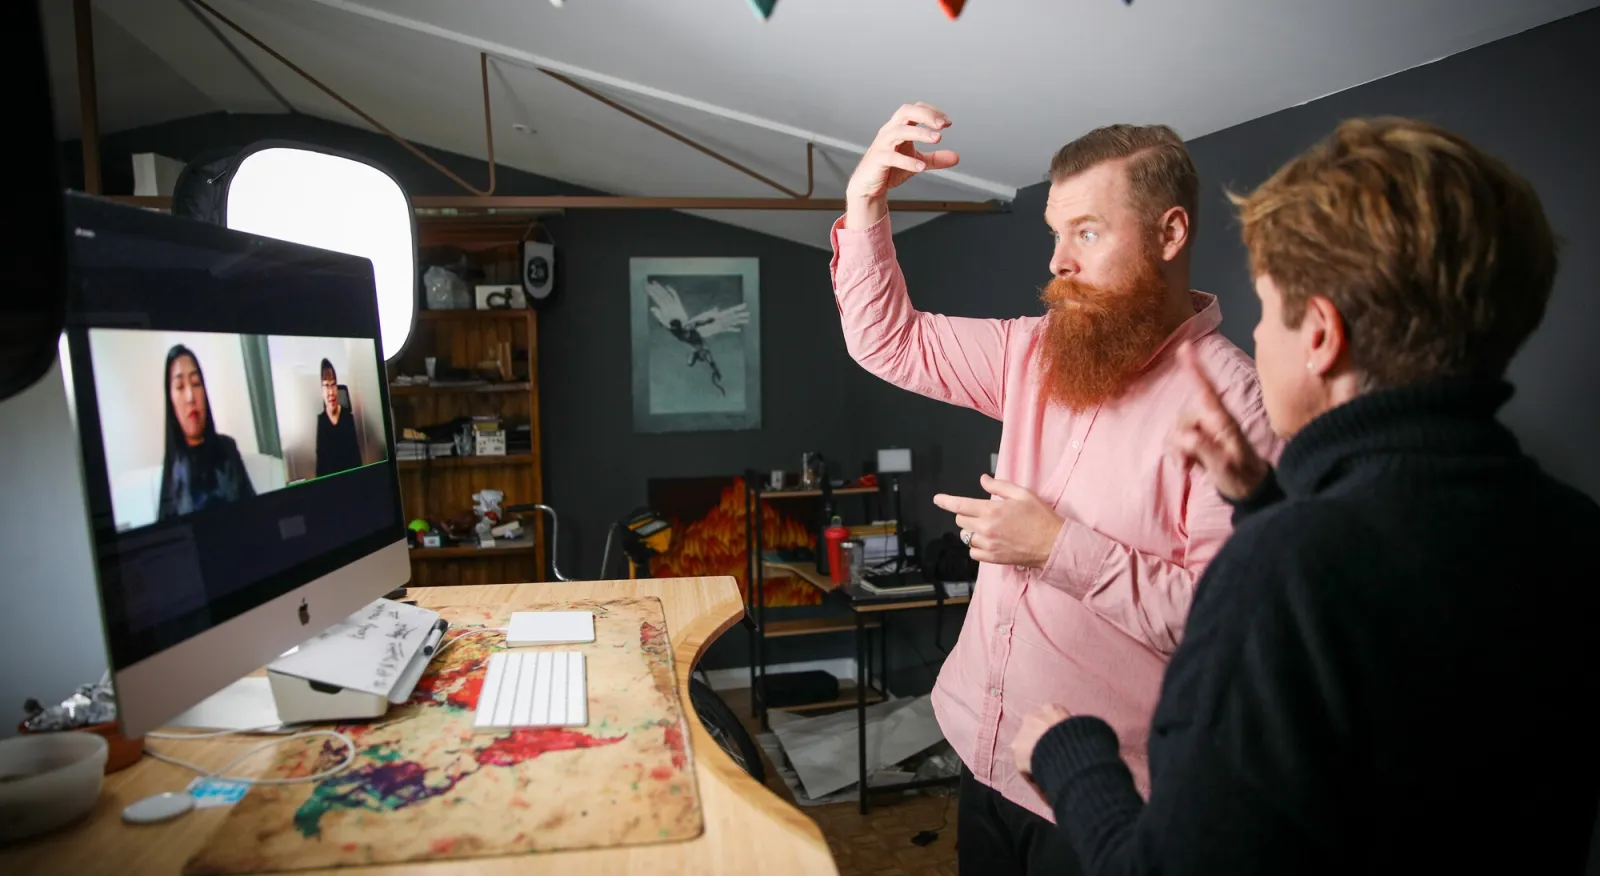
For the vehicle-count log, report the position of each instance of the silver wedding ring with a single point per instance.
(966, 537)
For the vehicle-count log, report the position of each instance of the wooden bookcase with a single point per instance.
(437, 488)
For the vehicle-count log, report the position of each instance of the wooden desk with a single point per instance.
(747, 828)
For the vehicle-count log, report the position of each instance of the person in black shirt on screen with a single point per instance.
(338, 448)
(201, 467)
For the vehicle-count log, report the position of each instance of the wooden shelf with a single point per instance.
(521, 546)
(467, 461)
(767, 496)
(868, 606)
(806, 572)
(473, 315)
(814, 626)
(847, 699)
(430, 389)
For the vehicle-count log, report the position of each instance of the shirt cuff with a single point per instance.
(860, 250)
(1266, 494)
(1080, 753)
(1076, 558)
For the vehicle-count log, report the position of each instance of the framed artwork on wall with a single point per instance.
(696, 326)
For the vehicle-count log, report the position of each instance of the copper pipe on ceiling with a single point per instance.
(692, 144)
(483, 61)
(515, 209)
(606, 202)
(485, 199)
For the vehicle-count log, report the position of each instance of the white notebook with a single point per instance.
(550, 628)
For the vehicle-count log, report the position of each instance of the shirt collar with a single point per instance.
(1207, 316)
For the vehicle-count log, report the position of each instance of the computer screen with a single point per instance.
(231, 407)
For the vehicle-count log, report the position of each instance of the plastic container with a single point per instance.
(48, 780)
(835, 536)
(853, 556)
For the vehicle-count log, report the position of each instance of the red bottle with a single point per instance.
(835, 536)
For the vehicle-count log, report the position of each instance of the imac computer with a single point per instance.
(231, 409)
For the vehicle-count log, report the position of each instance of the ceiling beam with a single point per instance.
(511, 53)
(88, 95)
(517, 208)
(630, 202)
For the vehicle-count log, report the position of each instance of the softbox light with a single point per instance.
(318, 197)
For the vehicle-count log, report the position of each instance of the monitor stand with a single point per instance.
(313, 682)
(244, 706)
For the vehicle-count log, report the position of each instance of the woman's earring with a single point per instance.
(1311, 366)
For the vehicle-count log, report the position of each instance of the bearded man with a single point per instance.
(1093, 535)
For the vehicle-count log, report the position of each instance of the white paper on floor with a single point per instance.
(824, 752)
(769, 743)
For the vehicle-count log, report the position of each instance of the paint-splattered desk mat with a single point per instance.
(424, 786)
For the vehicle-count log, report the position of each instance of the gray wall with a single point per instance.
(596, 468)
(1519, 98)
(53, 641)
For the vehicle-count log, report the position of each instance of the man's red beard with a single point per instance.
(1097, 338)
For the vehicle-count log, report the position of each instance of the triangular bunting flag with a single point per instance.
(763, 8)
(952, 8)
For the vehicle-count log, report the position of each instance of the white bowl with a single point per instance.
(47, 780)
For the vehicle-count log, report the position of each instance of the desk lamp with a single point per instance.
(895, 462)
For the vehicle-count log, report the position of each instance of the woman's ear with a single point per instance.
(1323, 329)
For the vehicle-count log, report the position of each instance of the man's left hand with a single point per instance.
(1013, 528)
(1032, 730)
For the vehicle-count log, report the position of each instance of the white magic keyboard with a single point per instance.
(533, 689)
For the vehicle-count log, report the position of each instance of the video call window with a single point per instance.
(197, 419)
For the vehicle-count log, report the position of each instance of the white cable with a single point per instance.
(349, 757)
(467, 634)
(212, 734)
(349, 744)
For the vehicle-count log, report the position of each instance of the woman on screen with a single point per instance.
(202, 467)
(338, 448)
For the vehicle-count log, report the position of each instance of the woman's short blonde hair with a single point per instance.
(1437, 256)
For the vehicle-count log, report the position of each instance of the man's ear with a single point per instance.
(1323, 328)
(1174, 229)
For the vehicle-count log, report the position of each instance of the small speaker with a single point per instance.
(538, 272)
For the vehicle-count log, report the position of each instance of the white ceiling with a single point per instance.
(1018, 77)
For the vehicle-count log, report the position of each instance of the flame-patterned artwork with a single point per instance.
(707, 517)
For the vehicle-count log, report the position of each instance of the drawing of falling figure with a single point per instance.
(668, 310)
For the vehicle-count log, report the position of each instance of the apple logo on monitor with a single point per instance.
(305, 614)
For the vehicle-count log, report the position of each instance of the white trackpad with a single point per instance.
(550, 628)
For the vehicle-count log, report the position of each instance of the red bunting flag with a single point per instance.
(952, 8)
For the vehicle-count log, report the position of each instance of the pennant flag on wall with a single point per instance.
(763, 8)
(952, 8)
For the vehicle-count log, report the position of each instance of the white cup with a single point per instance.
(775, 480)
(430, 363)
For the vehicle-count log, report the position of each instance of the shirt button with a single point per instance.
(1076, 444)
(994, 691)
(1002, 629)
(1022, 569)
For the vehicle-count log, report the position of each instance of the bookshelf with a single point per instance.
(490, 360)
